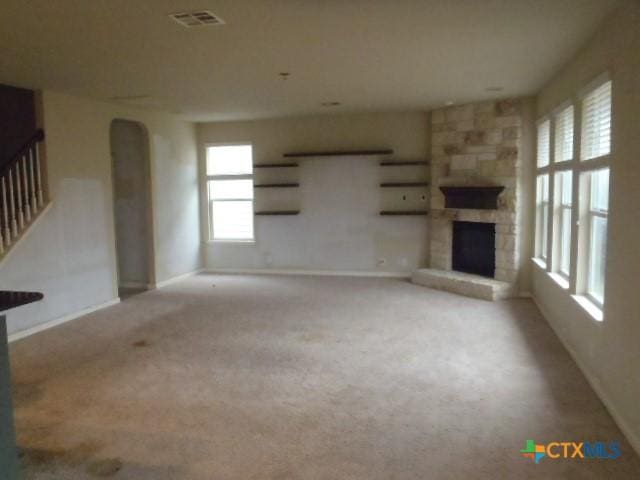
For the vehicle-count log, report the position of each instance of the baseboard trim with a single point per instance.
(59, 321)
(628, 432)
(135, 285)
(178, 278)
(324, 273)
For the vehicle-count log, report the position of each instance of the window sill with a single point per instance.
(592, 309)
(560, 280)
(240, 242)
(540, 263)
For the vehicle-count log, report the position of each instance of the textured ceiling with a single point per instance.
(370, 55)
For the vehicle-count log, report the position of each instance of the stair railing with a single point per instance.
(21, 191)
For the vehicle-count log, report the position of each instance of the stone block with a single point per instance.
(481, 149)
(464, 125)
(443, 138)
(456, 114)
(511, 121)
(511, 133)
(507, 153)
(452, 149)
(508, 107)
(475, 137)
(493, 137)
(463, 162)
(484, 121)
(487, 157)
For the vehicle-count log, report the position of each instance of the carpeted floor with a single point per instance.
(319, 378)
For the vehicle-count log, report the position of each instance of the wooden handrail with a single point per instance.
(35, 138)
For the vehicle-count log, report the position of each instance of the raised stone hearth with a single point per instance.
(463, 284)
(475, 147)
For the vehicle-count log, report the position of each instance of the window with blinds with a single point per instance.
(543, 143)
(230, 192)
(542, 216)
(563, 134)
(596, 123)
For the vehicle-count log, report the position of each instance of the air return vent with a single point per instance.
(199, 18)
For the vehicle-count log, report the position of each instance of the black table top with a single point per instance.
(9, 300)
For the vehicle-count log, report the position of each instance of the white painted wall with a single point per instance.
(70, 254)
(339, 197)
(131, 201)
(608, 352)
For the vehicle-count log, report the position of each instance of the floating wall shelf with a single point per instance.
(278, 212)
(276, 165)
(404, 184)
(277, 185)
(404, 212)
(339, 153)
(403, 164)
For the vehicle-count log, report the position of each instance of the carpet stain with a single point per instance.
(140, 344)
(104, 468)
(43, 458)
(25, 394)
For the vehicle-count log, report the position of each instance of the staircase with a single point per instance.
(21, 192)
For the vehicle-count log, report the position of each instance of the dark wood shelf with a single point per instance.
(403, 164)
(278, 212)
(404, 212)
(277, 185)
(275, 165)
(339, 153)
(404, 184)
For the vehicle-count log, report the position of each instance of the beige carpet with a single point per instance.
(319, 378)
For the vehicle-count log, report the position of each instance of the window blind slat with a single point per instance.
(564, 135)
(596, 123)
(543, 143)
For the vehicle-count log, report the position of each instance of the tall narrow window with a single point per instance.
(596, 123)
(542, 216)
(564, 185)
(543, 143)
(230, 192)
(597, 221)
(563, 134)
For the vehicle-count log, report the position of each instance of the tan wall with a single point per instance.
(70, 253)
(339, 227)
(608, 352)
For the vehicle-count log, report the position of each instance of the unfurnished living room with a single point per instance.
(319, 240)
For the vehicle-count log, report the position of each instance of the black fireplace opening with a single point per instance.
(474, 248)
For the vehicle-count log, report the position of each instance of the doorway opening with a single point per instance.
(132, 207)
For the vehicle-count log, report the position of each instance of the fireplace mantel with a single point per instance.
(479, 198)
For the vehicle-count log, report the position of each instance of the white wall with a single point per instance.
(339, 227)
(70, 254)
(608, 352)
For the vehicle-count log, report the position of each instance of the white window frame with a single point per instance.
(562, 208)
(211, 238)
(579, 263)
(542, 218)
(591, 213)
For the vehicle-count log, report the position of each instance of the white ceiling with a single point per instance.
(371, 55)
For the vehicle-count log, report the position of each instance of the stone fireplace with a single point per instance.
(475, 153)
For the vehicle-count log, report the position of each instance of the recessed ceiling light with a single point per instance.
(331, 104)
(494, 89)
(448, 103)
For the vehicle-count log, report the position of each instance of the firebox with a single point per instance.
(474, 248)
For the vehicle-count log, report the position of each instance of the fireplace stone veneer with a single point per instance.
(477, 145)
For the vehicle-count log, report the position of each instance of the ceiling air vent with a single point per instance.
(199, 18)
